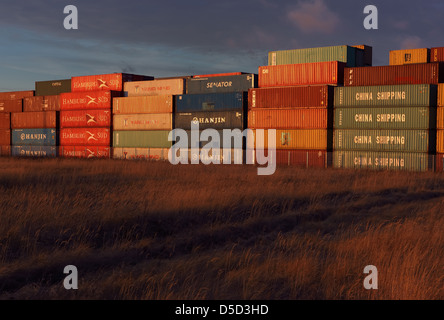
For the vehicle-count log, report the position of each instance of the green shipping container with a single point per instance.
(385, 118)
(345, 54)
(385, 140)
(382, 160)
(141, 139)
(415, 95)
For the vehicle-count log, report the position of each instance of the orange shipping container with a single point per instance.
(146, 104)
(87, 100)
(112, 81)
(155, 121)
(87, 152)
(15, 95)
(5, 137)
(441, 95)
(304, 139)
(290, 118)
(5, 120)
(5, 151)
(440, 118)
(154, 87)
(316, 73)
(41, 103)
(85, 137)
(440, 141)
(400, 57)
(34, 120)
(11, 105)
(85, 118)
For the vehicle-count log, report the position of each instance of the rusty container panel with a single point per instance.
(134, 122)
(85, 152)
(297, 158)
(302, 74)
(437, 54)
(154, 87)
(143, 104)
(107, 82)
(85, 137)
(5, 120)
(5, 137)
(85, 118)
(11, 105)
(291, 97)
(400, 57)
(303, 139)
(423, 73)
(140, 153)
(34, 120)
(5, 151)
(16, 95)
(290, 118)
(440, 141)
(87, 100)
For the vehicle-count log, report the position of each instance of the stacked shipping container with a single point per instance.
(143, 119)
(440, 128)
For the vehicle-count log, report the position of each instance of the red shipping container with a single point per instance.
(440, 162)
(41, 103)
(85, 118)
(11, 105)
(218, 74)
(85, 137)
(300, 158)
(16, 95)
(5, 120)
(290, 118)
(331, 72)
(437, 54)
(5, 137)
(112, 81)
(420, 73)
(291, 97)
(34, 120)
(5, 151)
(88, 100)
(87, 152)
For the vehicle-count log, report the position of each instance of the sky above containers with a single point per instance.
(175, 38)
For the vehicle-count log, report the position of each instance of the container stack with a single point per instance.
(143, 119)
(295, 97)
(219, 102)
(385, 117)
(9, 102)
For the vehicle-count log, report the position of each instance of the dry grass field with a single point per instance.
(144, 230)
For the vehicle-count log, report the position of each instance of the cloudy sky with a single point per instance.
(175, 38)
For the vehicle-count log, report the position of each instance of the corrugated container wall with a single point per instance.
(382, 160)
(437, 54)
(5, 120)
(34, 120)
(140, 153)
(154, 87)
(290, 118)
(112, 81)
(400, 57)
(346, 54)
(85, 137)
(300, 158)
(15, 95)
(34, 151)
(5, 137)
(11, 105)
(225, 156)
(34, 137)
(231, 101)
(147, 104)
(420, 95)
(85, 118)
(53, 87)
(440, 162)
(41, 103)
(87, 100)
(234, 83)
(141, 139)
(84, 152)
(421, 73)
(440, 118)
(5, 151)
(218, 74)
(441, 95)
(155, 121)
(291, 97)
(385, 118)
(319, 73)
(385, 140)
(309, 139)
(211, 120)
(440, 141)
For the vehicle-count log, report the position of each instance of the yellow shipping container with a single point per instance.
(440, 118)
(400, 57)
(440, 141)
(441, 95)
(309, 139)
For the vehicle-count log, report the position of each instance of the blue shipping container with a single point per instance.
(34, 137)
(34, 151)
(231, 101)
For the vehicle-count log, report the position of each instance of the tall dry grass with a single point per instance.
(143, 230)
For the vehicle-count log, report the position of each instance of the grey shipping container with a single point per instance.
(233, 83)
(385, 140)
(235, 101)
(210, 120)
(53, 87)
(385, 118)
(382, 160)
